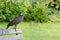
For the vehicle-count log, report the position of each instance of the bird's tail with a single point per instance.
(7, 27)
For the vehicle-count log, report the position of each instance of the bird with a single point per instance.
(16, 21)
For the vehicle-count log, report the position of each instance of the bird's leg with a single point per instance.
(16, 29)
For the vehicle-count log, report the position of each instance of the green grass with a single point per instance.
(38, 31)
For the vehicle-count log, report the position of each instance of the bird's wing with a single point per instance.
(13, 22)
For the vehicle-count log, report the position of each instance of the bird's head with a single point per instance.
(22, 14)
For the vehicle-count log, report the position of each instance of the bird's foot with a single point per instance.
(16, 33)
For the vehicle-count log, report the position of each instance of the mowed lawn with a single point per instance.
(38, 31)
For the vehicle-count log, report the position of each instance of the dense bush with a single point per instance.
(40, 13)
(34, 10)
(36, 13)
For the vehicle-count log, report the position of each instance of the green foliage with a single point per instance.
(39, 12)
(34, 10)
(9, 10)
